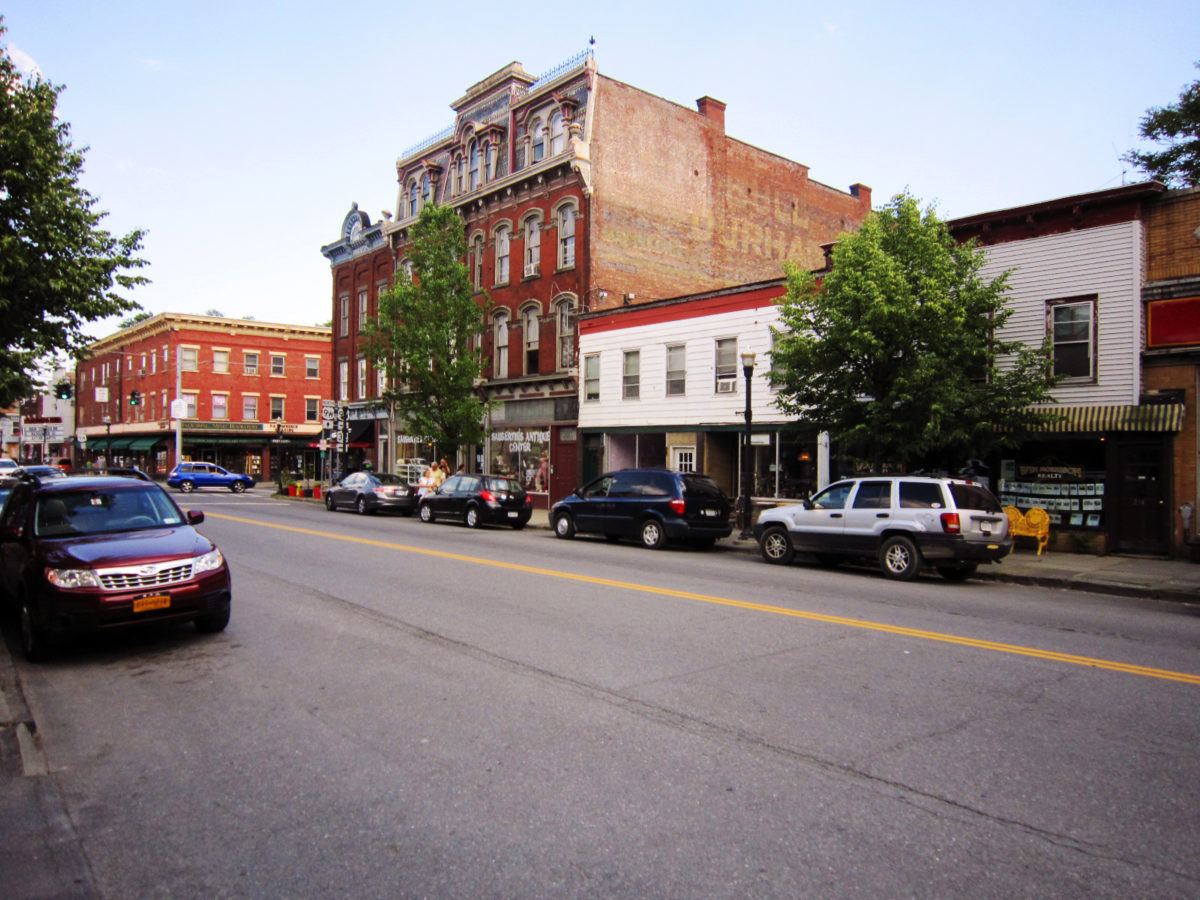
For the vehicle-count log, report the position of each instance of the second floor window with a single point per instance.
(531, 329)
(312, 409)
(276, 409)
(591, 377)
(1072, 329)
(362, 309)
(631, 375)
(362, 378)
(726, 365)
(344, 315)
(676, 370)
(343, 385)
(565, 320)
(250, 409)
(501, 345)
(277, 365)
(220, 406)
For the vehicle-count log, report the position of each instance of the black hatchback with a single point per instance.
(651, 505)
(478, 500)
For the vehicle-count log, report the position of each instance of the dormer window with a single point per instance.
(426, 189)
(413, 198)
(475, 162)
(459, 169)
(538, 135)
(490, 168)
(558, 134)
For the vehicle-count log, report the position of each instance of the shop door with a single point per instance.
(565, 477)
(1141, 523)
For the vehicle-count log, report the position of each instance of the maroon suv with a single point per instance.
(82, 553)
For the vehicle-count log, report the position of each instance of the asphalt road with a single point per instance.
(409, 710)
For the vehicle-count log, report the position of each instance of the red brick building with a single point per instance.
(252, 394)
(578, 193)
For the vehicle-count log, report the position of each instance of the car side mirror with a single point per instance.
(195, 516)
(806, 502)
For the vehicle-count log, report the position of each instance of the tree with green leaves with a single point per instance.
(59, 270)
(423, 336)
(1178, 127)
(898, 351)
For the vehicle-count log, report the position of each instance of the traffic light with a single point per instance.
(63, 390)
(135, 398)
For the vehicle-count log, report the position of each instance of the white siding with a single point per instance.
(701, 404)
(1102, 261)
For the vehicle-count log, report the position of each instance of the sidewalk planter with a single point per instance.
(306, 492)
(316, 492)
(291, 489)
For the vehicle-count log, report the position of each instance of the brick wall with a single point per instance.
(1173, 236)
(679, 207)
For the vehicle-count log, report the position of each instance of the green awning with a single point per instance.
(144, 443)
(1146, 417)
(103, 444)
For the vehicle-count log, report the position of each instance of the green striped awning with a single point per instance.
(1147, 417)
(144, 443)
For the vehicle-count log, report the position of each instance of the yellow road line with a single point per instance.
(1017, 649)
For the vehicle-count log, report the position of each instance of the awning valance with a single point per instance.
(1146, 417)
(144, 443)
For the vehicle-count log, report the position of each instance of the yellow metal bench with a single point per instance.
(1035, 524)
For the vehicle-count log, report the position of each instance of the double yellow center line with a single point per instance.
(918, 633)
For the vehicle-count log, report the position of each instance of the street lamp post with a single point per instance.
(747, 371)
(108, 440)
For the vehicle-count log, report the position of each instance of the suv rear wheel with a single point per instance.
(900, 558)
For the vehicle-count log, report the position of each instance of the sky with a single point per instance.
(238, 134)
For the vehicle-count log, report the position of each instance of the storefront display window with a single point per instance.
(1067, 480)
(522, 454)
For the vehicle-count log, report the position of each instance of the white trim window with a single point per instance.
(631, 366)
(277, 409)
(591, 377)
(249, 408)
(726, 365)
(476, 162)
(344, 315)
(362, 309)
(312, 367)
(362, 378)
(220, 362)
(189, 361)
(477, 261)
(343, 380)
(278, 365)
(250, 364)
(537, 137)
(1072, 327)
(220, 406)
(676, 370)
(312, 409)
(533, 246)
(189, 398)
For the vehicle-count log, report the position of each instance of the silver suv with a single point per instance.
(905, 522)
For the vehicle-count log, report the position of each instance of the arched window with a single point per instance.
(537, 135)
(533, 246)
(531, 334)
(489, 168)
(474, 173)
(502, 238)
(564, 322)
(566, 237)
(413, 198)
(459, 168)
(426, 189)
(477, 262)
(558, 134)
(500, 344)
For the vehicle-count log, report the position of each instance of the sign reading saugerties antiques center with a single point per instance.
(521, 440)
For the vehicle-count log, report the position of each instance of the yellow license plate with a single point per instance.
(154, 601)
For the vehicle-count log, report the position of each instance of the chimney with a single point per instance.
(713, 110)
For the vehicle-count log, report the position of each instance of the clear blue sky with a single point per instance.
(238, 134)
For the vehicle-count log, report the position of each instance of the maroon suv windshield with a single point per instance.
(100, 510)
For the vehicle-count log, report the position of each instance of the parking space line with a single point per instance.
(920, 634)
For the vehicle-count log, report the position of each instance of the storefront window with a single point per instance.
(524, 455)
(1067, 479)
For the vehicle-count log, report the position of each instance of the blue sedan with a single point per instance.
(191, 475)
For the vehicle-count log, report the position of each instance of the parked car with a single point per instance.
(7, 483)
(478, 500)
(371, 492)
(64, 464)
(7, 465)
(191, 475)
(81, 553)
(904, 522)
(651, 505)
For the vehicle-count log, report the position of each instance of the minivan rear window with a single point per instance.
(700, 486)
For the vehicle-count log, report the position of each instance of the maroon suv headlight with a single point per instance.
(73, 579)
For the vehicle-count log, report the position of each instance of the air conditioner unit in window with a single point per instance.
(726, 385)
